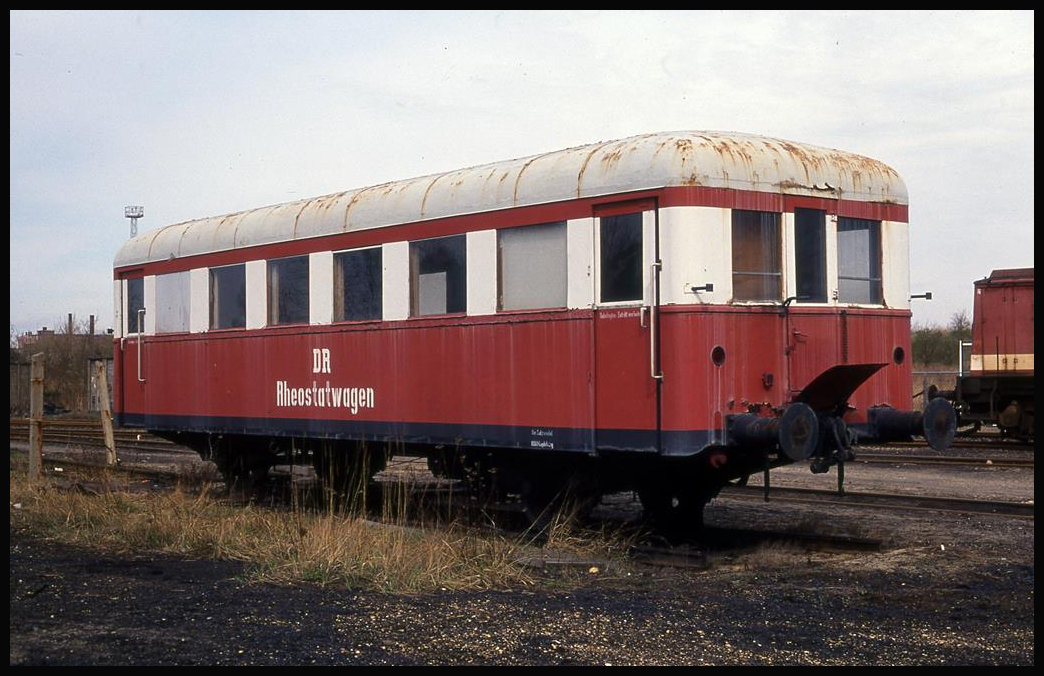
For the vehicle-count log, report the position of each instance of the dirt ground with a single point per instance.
(942, 589)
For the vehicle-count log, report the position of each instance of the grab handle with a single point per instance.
(654, 270)
(141, 339)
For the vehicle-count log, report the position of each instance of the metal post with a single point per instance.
(134, 213)
(106, 413)
(36, 387)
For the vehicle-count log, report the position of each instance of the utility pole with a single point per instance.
(106, 413)
(36, 388)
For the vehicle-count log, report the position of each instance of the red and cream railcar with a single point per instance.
(663, 313)
(998, 387)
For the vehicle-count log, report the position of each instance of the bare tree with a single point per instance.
(959, 322)
(67, 353)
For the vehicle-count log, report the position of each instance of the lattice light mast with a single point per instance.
(134, 213)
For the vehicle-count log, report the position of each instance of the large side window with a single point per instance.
(172, 302)
(810, 253)
(532, 266)
(858, 260)
(438, 276)
(288, 291)
(620, 257)
(357, 285)
(228, 297)
(135, 303)
(756, 256)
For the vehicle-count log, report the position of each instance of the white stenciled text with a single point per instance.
(324, 396)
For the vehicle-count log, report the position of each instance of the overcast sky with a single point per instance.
(193, 114)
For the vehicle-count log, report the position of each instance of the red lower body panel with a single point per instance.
(568, 380)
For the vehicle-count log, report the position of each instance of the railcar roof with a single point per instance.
(1007, 276)
(650, 161)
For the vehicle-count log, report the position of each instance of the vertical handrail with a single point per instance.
(141, 339)
(963, 347)
(654, 270)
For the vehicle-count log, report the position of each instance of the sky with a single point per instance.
(191, 114)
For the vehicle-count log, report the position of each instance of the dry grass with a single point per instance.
(321, 545)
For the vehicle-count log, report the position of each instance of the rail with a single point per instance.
(891, 500)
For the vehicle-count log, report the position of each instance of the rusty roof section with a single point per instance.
(650, 161)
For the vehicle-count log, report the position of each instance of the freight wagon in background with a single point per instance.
(664, 313)
(995, 388)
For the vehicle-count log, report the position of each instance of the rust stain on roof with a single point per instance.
(689, 158)
(583, 166)
(522, 170)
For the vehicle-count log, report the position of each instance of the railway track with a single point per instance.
(413, 471)
(57, 431)
(981, 440)
(986, 460)
(889, 500)
(407, 472)
(688, 553)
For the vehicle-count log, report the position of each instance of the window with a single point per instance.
(288, 291)
(135, 303)
(172, 302)
(357, 285)
(621, 257)
(228, 297)
(532, 266)
(756, 257)
(810, 251)
(438, 283)
(858, 260)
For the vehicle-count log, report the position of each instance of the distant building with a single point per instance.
(27, 338)
(70, 360)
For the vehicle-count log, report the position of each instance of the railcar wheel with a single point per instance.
(673, 512)
(446, 463)
(545, 500)
(243, 463)
(538, 502)
(481, 479)
(245, 473)
(675, 507)
(346, 470)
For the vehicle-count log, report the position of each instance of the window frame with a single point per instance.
(134, 283)
(810, 238)
(289, 297)
(540, 267)
(745, 219)
(634, 259)
(216, 275)
(424, 253)
(874, 285)
(340, 286)
(166, 303)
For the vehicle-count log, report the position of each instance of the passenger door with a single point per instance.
(129, 398)
(810, 333)
(626, 323)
